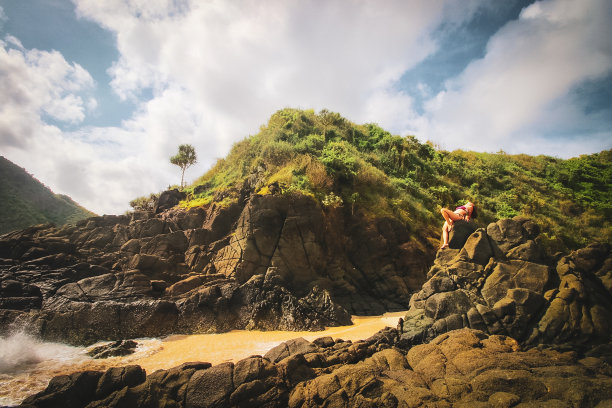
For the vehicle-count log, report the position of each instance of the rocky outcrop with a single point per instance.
(499, 281)
(267, 262)
(168, 199)
(116, 348)
(463, 368)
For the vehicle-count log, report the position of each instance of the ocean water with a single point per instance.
(28, 364)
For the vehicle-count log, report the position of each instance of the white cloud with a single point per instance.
(100, 168)
(234, 63)
(36, 83)
(521, 87)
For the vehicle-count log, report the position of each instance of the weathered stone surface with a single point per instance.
(211, 387)
(460, 233)
(117, 348)
(460, 368)
(169, 199)
(115, 378)
(70, 391)
(501, 282)
(289, 348)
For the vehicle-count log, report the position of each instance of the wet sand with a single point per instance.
(239, 344)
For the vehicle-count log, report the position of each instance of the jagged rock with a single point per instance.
(276, 261)
(477, 248)
(459, 234)
(168, 199)
(19, 296)
(315, 264)
(210, 388)
(500, 282)
(117, 348)
(116, 378)
(72, 391)
(461, 368)
(289, 348)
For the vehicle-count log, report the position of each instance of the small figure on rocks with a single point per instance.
(400, 326)
(463, 212)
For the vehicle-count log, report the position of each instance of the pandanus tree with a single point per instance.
(185, 158)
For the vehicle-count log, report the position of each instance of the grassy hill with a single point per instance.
(25, 201)
(364, 167)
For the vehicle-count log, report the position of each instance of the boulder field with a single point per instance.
(500, 282)
(266, 262)
(497, 323)
(461, 368)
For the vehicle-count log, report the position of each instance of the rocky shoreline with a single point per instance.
(267, 262)
(498, 323)
(462, 368)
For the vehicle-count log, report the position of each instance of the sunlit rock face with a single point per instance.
(499, 281)
(266, 262)
(464, 367)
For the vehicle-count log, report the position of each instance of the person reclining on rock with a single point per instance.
(463, 212)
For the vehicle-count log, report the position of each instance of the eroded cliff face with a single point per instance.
(270, 262)
(499, 281)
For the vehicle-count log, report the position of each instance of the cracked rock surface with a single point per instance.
(462, 368)
(268, 262)
(500, 282)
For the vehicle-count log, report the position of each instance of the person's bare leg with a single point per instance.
(444, 236)
(450, 216)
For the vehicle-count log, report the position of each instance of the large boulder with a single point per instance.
(460, 233)
(169, 199)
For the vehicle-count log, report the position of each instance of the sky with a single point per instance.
(96, 95)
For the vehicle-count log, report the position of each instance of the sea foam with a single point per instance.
(20, 352)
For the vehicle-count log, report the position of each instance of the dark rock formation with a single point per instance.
(270, 262)
(463, 368)
(116, 348)
(460, 233)
(500, 282)
(169, 199)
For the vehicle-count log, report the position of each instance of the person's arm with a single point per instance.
(468, 212)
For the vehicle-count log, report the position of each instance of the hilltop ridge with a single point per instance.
(365, 168)
(25, 201)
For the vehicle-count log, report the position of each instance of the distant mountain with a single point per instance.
(25, 201)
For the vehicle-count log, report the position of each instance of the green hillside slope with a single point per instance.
(364, 167)
(25, 201)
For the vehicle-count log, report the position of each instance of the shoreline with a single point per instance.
(164, 353)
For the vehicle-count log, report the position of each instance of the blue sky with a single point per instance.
(98, 94)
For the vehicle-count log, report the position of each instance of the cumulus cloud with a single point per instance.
(234, 63)
(36, 83)
(519, 94)
(101, 168)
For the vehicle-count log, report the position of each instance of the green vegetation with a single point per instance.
(145, 203)
(185, 158)
(365, 168)
(24, 201)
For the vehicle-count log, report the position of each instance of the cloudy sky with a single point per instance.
(96, 95)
